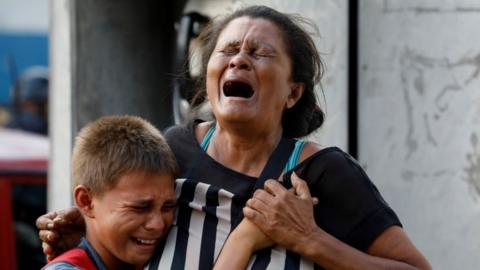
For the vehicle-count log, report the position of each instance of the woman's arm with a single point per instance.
(287, 218)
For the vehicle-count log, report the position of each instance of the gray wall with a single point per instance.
(420, 120)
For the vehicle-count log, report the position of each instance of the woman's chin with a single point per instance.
(234, 111)
(236, 116)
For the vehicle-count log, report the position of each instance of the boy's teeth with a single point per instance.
(145, 242)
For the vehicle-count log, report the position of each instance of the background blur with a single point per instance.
(24, 145)
(401, 92)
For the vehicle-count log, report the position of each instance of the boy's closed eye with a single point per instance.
(148, 205)
(171, 205)
(140, 206)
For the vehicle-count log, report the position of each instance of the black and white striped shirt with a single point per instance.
(211, 197)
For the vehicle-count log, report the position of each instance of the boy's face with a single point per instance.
(131, 218)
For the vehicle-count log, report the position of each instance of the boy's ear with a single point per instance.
(296, 92)
(83, 199)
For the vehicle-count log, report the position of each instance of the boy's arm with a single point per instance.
(241, 243)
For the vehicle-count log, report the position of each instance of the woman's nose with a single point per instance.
(240, 61)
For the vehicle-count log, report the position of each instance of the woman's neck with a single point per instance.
(245, 150)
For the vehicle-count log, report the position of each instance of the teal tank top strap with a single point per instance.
(295, 156)
(207, 138)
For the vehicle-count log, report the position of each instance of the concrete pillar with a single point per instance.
(419, 126)
(123, 59)
(60, 108)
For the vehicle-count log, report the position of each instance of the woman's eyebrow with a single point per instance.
(260, 43)
(232, 43)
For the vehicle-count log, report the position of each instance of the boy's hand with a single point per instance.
(60, 231)
(244, 240)
(252, 236)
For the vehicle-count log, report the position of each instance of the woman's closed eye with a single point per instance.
(262, 52)
(230, 50)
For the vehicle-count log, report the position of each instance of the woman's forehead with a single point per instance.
(251, 30)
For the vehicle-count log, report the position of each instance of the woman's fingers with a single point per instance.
(274, 187)
(47, 236)
(68, 216)
(254, 216)
(314, 199)
(263, 196)
(73, 215)
(301, 187)
(47, 249)
(45, 222)
(257, 204)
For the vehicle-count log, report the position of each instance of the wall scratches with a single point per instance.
(429, 7)
(472, 61)
(472, 170)
(429, 85)
(430, 137)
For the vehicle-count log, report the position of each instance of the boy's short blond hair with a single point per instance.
(112, 146)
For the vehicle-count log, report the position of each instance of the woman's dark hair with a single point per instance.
(307, 67)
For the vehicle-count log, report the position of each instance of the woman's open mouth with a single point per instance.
(237, 89)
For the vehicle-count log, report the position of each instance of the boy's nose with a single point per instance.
(155, 222)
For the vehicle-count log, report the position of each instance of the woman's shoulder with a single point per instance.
(314, 152)
(187, 131)
(201, 129)
(309, 149)
(184, 139)
(331, 165)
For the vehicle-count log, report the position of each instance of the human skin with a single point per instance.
(125, 223)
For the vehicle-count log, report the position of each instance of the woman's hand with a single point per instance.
(286, 216)
(60, 231)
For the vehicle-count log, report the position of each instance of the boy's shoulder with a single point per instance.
(60, 266)
(76, 258)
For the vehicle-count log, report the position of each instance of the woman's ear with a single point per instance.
(296, 92)
(84, 200)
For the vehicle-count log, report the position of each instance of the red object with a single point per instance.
(77, 257)
(23, 160)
